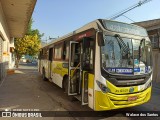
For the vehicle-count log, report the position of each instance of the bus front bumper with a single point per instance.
(108, 101)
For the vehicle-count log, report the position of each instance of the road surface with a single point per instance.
(26, 90)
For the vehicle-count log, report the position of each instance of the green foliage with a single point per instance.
(31, 31)
(29, 44)
(36, 32)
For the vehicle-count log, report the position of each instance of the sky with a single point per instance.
(56, 18)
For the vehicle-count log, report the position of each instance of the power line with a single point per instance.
(128, 18)
(128, 9)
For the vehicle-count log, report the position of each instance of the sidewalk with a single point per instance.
(24, 90)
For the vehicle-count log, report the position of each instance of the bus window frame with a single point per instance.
(92, 70)
(61, 56)
(65, 45)
(50, 55)
(44, 54)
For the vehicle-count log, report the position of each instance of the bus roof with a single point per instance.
(90, 25)
(94, 24)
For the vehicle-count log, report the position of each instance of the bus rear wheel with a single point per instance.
(65, 85)
(43, 75)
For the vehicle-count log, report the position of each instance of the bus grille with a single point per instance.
(123, 99)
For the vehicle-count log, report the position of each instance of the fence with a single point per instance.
(3, 70)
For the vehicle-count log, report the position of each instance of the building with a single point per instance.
(14, 19)
(153, 29)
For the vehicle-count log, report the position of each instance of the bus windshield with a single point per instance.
(126, 56)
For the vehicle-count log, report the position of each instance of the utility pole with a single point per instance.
(140, 3)
(49, 39)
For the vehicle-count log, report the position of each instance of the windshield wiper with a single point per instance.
(140, 52)
(122, 44)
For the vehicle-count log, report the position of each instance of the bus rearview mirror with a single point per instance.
(100, 39)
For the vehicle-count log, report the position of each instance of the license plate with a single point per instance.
(132, 98)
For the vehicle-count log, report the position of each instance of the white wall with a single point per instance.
(3, 25)
(8, 42)
(12, 58)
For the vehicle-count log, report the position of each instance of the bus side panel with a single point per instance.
(97, 76)
(46, 68)
(49, 69)
(39, 65)
(58, 72)
(91, 90)
(44, 65)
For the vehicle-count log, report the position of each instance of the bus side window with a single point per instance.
(64, 51)
(44, 54)
(67, 51)
(50, 57)
(58, 52)
(40, 55)
(88, 54)
(47, 54)
(91, 54)
(65, 54)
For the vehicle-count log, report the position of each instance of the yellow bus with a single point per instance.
(104, 64)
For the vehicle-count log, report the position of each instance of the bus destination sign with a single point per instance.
(124, 28)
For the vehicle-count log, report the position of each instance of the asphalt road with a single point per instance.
(26, 90)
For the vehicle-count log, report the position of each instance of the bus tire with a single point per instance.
(43, 75)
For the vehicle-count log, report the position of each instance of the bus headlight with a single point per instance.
(102, 87)
(149, 83)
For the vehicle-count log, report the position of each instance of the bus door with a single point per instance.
(74, 71)
(80, 68)
(87, 67)
(50, 62)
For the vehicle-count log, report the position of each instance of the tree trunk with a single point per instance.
(18, 57)
(17, 63)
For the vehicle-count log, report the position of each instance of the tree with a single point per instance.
(29, 44)
(31, 31)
